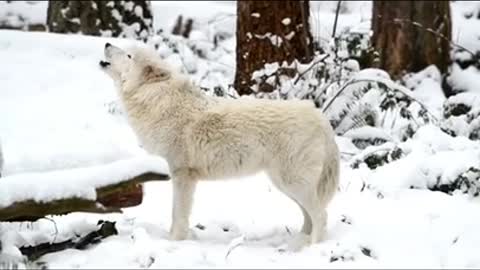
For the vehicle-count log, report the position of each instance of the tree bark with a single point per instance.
(268, 32)
(130, 19)
(110, 199)
(403, 38)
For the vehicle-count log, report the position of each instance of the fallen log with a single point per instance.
(109, 199)
(34, 252)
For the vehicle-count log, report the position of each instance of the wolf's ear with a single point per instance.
(155, 74)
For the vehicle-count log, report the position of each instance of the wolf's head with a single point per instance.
(135, 67)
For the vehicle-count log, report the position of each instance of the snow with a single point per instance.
(465, 31)
(322, 18)
(129, 6)
(32, 13)
(290, 35)
(60, 124)
(432, 156)
(426, 88)
(1, 158)
(465, 80)
(45, 137)
(139, 11)
(471, 99)
(274, 39)
(286, 21)
(205, 12)
(116, 15)
(367, 132)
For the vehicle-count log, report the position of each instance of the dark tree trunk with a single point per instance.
(131, 19)
(403, 38)
(268, 32)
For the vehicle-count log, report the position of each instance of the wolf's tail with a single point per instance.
(330, 178)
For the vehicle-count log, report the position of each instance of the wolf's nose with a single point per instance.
(107, 45)
(104, 64)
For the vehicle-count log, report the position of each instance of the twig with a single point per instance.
(337, 12)
(234, 244)
(352, 81)
(220, 16)
(347, 153)
(310, 67)
(55, 226)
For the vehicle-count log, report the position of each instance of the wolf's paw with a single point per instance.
(295, 244)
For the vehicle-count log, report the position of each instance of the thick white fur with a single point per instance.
(204, 137)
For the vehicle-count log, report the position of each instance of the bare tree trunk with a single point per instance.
(268, 32)
(403, 38)
(132, 19)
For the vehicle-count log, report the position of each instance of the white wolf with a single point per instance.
(204, 137)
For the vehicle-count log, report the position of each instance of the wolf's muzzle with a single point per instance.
(104, 64)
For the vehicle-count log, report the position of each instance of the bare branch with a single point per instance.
(310, 68)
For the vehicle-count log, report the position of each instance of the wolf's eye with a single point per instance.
(129, 56)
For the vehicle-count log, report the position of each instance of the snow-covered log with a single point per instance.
(100, 189)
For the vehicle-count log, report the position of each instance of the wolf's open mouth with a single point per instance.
(104, 64)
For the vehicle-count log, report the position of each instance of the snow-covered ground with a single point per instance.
(57, 111)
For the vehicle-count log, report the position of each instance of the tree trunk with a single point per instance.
(403, 38)
(130, 19)
(268, 32)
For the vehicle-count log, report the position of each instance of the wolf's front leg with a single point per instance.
(183, 191)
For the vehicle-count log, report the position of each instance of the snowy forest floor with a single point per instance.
(57, 110)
